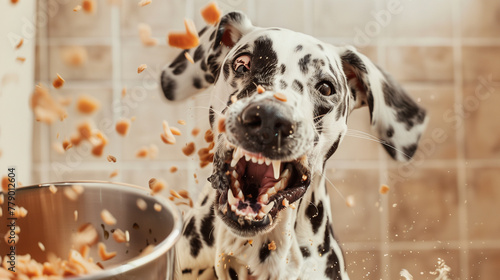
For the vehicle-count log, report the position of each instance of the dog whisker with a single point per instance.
(366, 136)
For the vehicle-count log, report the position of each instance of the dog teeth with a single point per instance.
(268, 207)
(254, 159)
(235, 174)
(248, 157)
(231, 199)
(263, 198)
(276, 168)
(237, 154)
(267, 161)
(260, 161)
(285, 174)
(240, 195)
(237, 184)
(271, 191)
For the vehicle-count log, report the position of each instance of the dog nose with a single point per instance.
(268, 121)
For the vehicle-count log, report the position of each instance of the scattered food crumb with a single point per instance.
(87, 104)
(122, 127)
(143, 3)
(211, 13)
(141, 204)
(111, 158)
(189, 149)
(58, 82)
(141, 68)
(271, 246)
(108, 218)
(384, 189)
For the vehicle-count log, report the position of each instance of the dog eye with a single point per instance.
(242, 63)
(325, 88)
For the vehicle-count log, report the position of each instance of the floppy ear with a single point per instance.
(396, 118)
(182, 79)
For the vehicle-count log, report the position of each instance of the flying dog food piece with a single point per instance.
(384, 189)
(195, 131)
(221, 124)
(157, 186)
(280, 96)
(211, 13)
(98, 148)
(78, 189)
(20, 212)
(147, 250)
(144, 3)
(175, 194)
(141, 204)
(77, 8)
(103, 254)
(187, 40)
(87, 104)
(157, 207)
(260, 89)
(114, 173)
(124, 91)
(209, 136)
(173, 169)
(66, 144)
(58, 81)
(46, 108)
(85, 236)
(145, 35)
(141, 68)
(175, 131)
(75, 56)
(349, 201)
(167, 137)
(52, 189)
(21, 59)
(20, 43)
(70, 194)
(119, 236)
(189, 149)
(41, 246)
(142, 152)
(108, 218)
(189, 57)
(111, 158)
(181, 122)
(122, 126)
(89, 6)
(271, 246)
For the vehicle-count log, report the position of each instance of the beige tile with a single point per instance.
(483, 194)
(420, 63)
(343, 18)
(420, 263)
(102, 119)
(409, 22)
(480, 18)
(272, 14)
(481, 103)
(97, 66)
(64, 22)
(480, 62)
(363, 264)
(423, 204)
(439, 139)
(162, 16)
(156, 58)
(355, 146)
(360, 222)
(483, 263)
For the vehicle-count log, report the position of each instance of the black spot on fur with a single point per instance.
(202, 31)
(209, 78)
(389, 147)
(325, 247)
(410, 150)
(298, 48)
(315, 215)
(282, 69)
(232, 274)
(212, 35)
(168, 85)
(193, 236)
(264, 252)
(354, 60)
(369, 96)
(407, 111)
(179, 64)
(265, 61)
(305, 252)
(225, 69)
(187, 271)
(303, 62)
(213, 63)
(198, 53)
(204, 201)
(200, 272)
(283, 84)
(341, 109)
(207, 225)
(203, 65)
(189, 227)
(197, 83)
(353, 92)
(332, 149)
(297, 86)
(332, 270)
(211, 116)
(390, 131)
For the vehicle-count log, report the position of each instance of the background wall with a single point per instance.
(445, 53)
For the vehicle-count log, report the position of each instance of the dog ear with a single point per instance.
(182, 79)
(396, 118)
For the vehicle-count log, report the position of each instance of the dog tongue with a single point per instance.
(261, 172)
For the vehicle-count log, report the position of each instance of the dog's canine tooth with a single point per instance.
(231, 199)
(237, 185)
(260, 215)
(281, 185)
(267, 161)
(268, 207)
(234, 208)
(240, 195)
(271, 191)
(276, 168)
(285, 174)
(237, 154)
(247, 157)
(260, 161)
(263, 198)
(235, 174)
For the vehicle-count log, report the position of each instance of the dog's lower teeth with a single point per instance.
(235, 174)
(268, 207)
(263, 198)
(240, 195)
(231, 199)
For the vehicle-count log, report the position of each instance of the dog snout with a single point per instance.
(267, 122)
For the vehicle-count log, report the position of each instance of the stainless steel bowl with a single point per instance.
(51, 221)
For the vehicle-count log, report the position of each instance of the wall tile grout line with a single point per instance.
(460, 137)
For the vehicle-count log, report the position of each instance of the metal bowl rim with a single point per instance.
(161, 249)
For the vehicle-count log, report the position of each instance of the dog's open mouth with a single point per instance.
(256, 188)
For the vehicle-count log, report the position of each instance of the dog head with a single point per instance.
(279, 109)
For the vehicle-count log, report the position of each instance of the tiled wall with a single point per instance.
(445, 53)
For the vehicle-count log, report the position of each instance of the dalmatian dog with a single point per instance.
(280, 101)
